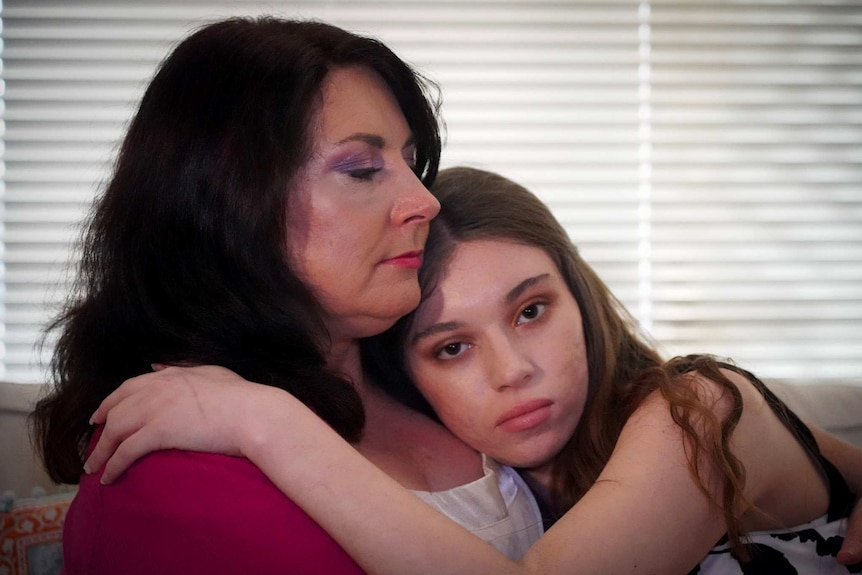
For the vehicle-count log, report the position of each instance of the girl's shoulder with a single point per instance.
(731, 418)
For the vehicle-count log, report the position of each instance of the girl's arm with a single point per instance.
(384, 527)
(848, 459)
(645, 498)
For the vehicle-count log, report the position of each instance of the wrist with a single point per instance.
(266, 421)
(249, 417)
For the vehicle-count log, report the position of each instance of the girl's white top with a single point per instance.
(498, 508)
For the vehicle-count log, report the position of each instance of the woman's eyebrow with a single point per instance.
(374, 140)
(370, 139)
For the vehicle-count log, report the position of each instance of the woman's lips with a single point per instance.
(525, 415)
(411, 260)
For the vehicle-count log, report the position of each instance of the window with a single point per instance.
(705, 156)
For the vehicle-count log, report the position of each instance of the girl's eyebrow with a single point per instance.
(516, 292)
(435, 329)
(513, 295)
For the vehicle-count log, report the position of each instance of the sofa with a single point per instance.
(32, 508)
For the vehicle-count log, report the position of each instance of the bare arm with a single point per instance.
(848, 459)
(845, 456)
(387, 530)
(382, 526)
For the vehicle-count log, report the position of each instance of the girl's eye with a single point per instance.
(531, 312)
(451, 350)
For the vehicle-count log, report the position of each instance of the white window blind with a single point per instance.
(704, 156)
(756, 183)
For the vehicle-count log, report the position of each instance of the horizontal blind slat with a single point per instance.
(545, 92)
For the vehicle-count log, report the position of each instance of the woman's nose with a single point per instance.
(415, 203)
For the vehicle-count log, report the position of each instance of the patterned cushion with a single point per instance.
(31, 534)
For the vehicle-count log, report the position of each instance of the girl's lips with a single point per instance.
(525, 415)
(411, 260)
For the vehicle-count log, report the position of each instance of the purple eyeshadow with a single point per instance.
(355, 162)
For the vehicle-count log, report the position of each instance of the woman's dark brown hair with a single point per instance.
(183, 255)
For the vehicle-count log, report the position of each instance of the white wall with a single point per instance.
(19, 467)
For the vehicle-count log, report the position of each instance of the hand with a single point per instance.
(851, 549)
(192, 408)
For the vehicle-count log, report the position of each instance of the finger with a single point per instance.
(121, 421)
(101, 414)
(125, 390)
(101, 452)
(108, 442)
(851, 548)
(133, 448)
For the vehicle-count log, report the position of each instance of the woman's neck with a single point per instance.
(344, 358)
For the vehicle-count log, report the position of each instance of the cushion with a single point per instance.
(834, 407)
(31, 534)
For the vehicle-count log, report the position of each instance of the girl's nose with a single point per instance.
(513, 366)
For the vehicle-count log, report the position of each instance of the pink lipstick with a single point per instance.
(525, 415)
(410, 260)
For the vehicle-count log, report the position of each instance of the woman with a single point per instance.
(215, 242)
(523, 352)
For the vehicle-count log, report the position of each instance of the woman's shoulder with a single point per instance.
(180, 511)
(195, 488)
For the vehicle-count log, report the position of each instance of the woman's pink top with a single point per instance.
(183, 512)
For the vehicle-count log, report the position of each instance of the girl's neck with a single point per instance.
(540, 481)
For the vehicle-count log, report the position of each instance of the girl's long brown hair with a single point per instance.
(624, 367)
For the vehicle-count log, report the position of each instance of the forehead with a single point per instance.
(356, 99)
(497, 259)
(481, 273)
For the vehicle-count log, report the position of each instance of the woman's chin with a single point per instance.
(394, 308)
